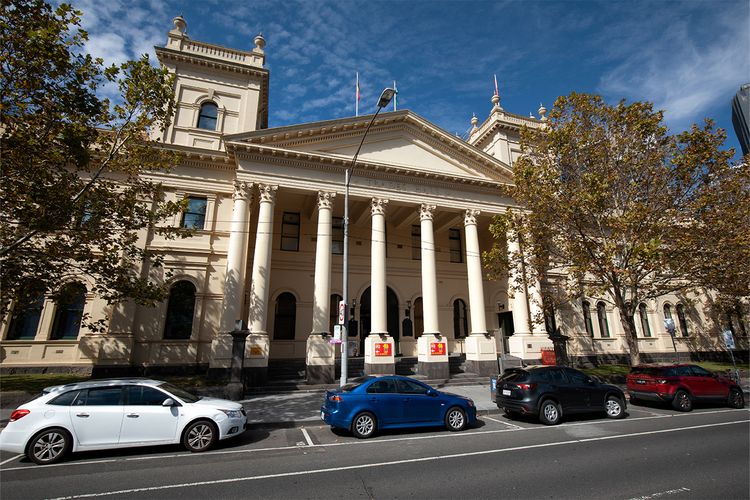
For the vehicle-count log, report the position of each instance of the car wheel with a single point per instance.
(614, 407)
(736, 399)
(455, 419)
(682, 401)
(364, 425)
(49, 446)
(199, 436)
(549, 413)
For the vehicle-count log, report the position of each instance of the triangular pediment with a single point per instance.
(399, 139)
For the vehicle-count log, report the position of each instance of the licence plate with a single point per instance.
(506, 392)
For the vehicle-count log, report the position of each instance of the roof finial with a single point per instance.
(542, 111)
(180, 24)
(260, 42)
(474, 121)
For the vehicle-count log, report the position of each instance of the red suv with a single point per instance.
(680, 385)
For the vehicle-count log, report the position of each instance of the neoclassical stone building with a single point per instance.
(267, 204)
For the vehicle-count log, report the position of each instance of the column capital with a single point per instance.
(425, 211)
(325, 199)
(470, 217)
(243, 190)
(377, 206)
(267, 192)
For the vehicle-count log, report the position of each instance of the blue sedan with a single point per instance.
(370, 403)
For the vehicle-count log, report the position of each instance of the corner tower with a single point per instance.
(218, 91)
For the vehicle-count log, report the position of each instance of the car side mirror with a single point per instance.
(591, 381)
(169, 402)
(433, 393)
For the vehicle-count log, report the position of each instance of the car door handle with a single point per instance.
(83, 415)
(132, 415)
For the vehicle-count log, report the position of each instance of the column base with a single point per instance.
(320, 362)
(433, 356)
(380, 355)
(434, 370)
(528, 347)
(481, 354)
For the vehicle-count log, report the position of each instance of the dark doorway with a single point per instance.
(505, 321)
(392, 322)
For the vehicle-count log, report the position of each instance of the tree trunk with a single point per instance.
(628, 326)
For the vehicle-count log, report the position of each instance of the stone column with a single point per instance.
(481, 351)
(320, 354)
(536, 309)
(523, 344)
(432, 350)
(234, 281)
(257, 347)
(379, 346)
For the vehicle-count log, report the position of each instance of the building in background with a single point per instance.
(741, 117)
(267, 207)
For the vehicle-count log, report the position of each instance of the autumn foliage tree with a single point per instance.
(75, 184)
(627, 210)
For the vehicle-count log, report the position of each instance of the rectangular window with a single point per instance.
(455, 245)
(290, 232)
(195, 213)
(337, 240)
(416, 243)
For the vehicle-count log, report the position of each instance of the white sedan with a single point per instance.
(118, 413)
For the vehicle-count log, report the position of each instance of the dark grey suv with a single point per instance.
(553, 391)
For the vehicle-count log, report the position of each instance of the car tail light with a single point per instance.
(336, 398)
(526, 387)
(18, 414)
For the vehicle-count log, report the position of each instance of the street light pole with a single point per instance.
(385, 98)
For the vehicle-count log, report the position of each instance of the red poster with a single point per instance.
(437, 348)
(382, 349)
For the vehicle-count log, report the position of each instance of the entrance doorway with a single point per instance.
(365, 323)
(505, 322)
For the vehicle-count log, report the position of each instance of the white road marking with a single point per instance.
(448, 435)
(10, 459)
(513, 426)
(307, 437)
(337, 470)
(662, 494)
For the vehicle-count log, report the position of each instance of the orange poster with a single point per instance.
(437, 348)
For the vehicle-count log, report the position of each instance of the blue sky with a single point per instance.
(687, 57)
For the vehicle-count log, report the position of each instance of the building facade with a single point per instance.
(267, 208)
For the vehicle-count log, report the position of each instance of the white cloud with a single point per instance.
(684, 69)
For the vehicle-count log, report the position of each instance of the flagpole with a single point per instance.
(356, 97)
(394, 95)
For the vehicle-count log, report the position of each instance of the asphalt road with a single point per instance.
(654, 453)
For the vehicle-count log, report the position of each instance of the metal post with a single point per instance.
(236, 386)
(385, 98)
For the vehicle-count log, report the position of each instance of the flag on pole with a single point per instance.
(356, 102)
(497, 92)
(394, 95)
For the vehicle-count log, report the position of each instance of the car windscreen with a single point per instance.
(514, 375)
(180, 393)
(356, 382)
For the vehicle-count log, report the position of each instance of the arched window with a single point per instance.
(207, 116)
(180, 311)
(682, 320)
(644, 320)
(460, 321)
(333, 313)
(418, 318)
(25, 320)
(601, 316)
(285, 317)
(69, 312)
(587, 319)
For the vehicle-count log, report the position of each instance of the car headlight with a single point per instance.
(470, 402)
(232, 413)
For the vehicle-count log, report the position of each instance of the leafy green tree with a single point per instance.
(624, 209)
(76, 192)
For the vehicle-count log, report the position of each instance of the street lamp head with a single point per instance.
(386, 96)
